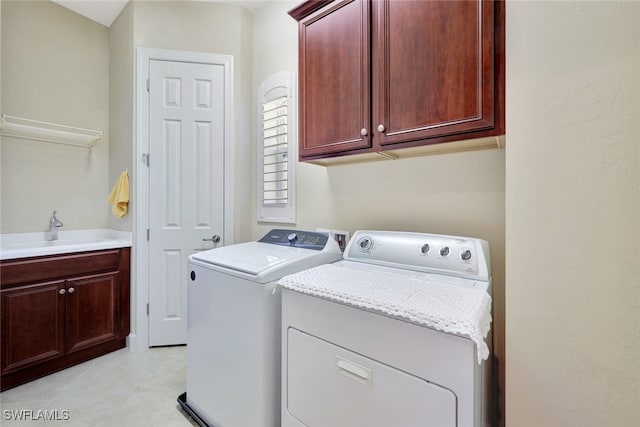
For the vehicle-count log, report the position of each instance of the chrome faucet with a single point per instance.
(54, 224)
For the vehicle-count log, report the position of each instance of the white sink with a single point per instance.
(23, 245)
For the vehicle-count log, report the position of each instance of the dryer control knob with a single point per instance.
(425, 248)
(465, 255)
(444, 251)
(293, 238)
(365, 244)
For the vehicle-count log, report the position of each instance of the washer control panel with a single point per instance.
(296, 238)
(442, 254)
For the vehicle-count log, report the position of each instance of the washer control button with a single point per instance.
(365, 244)
(425, 248)
(293, 238)
(465, 255)
(445, 251)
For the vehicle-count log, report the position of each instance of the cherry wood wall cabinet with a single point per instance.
(334, 82)
(61, 310)
(377, 75)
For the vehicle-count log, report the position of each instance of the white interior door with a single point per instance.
(186, 184)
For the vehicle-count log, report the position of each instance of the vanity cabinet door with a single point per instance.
(93, 310)
(33, 324)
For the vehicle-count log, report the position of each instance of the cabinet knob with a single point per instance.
(62, 292)
(71, 290)
(363, 132)
(381, 128)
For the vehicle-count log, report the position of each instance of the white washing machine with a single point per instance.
(233, 347)
(394, 335)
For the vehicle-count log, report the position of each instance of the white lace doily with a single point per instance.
(444, 307)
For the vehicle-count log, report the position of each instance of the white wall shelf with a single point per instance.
(17, 127)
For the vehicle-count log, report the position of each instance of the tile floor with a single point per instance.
(119, 389)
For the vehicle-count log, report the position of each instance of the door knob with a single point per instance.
(71, 290)
(215, 239)
(62, 292)
(380, 128)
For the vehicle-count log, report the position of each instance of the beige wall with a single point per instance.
(460, 194)
(275, 48)
(68, 69)
(0, 93)
(572, 173)
(60, 72)
(190, 26)
(215, 28)
(573, 214)
(55, 68)
(122, 108)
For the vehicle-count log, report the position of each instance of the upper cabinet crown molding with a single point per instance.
(386, 75)
(307, 8)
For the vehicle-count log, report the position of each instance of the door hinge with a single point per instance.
(148, 232)
(145, 159)
(147, 309)
(148, 85)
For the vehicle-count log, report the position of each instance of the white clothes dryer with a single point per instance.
(233, 344)
(394, 335)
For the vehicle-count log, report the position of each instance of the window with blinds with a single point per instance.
(276, 149)
(275, 152)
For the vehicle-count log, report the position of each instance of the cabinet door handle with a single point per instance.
(71, 290)
(62, 292)
(381, 127)
(363, 132)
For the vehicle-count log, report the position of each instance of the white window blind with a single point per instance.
(276, 149)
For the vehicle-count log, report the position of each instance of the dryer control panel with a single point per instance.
(465, 257)
(296, 238)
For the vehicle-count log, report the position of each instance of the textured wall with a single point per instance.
(573, 214)
(55, 68)
(122, 108)
(215, 28)
(190, 26)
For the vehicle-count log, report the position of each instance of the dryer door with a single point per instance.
(328, 385)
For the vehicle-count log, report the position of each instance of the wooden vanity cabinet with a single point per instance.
(435, 71)
(61, 310)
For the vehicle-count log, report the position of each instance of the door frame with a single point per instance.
(138, 340)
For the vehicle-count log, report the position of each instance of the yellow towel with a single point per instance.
(119, 197)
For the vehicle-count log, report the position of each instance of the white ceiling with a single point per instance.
(102, 11)
(106, 11)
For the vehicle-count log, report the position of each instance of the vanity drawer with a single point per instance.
(29, 270)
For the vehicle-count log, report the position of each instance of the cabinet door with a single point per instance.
(33, 318)
(93, 310)
(433, 70)
(334, 79)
